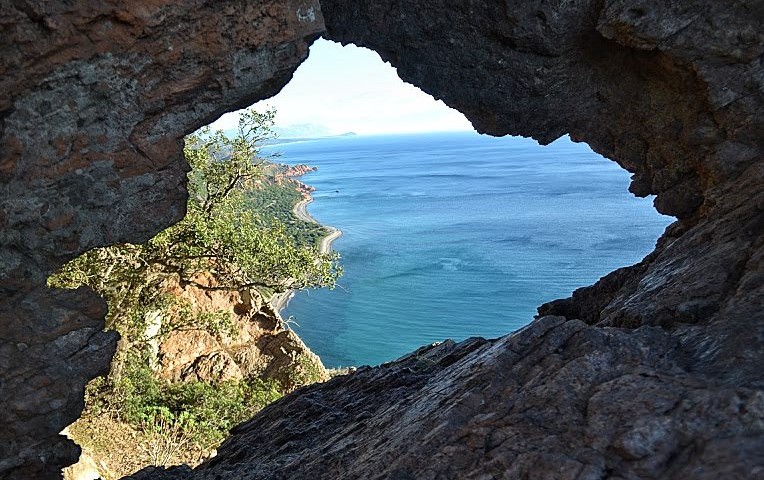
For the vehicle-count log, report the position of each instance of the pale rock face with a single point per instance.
(259, 344)
(653, 372)
(179, 353)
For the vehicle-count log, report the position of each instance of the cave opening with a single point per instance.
(96, 101)
(447, 233)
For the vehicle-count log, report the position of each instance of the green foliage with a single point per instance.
(224, 233)
(306, 372)
(240, 230)
(277, 201)
(202, 411)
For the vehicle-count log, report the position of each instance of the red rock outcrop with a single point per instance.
(95, 98)
(258, 343)
(653, 372)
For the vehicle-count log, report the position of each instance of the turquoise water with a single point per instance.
(457, 235)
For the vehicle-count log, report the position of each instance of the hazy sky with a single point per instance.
(350, 89)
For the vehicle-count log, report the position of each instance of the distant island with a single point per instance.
(284, 140)
(307, 131)
(299, 133)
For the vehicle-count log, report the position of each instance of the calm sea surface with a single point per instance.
(457, 235)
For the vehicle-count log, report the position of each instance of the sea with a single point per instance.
(456, 235)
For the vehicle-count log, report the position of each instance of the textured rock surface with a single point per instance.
(655, 374)
(48, 352)
(95, 97)
(259, 344)
(557, 400)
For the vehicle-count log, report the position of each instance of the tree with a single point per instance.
(225, 236)
(220, 235)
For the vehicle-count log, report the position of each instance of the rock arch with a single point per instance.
(96, 98)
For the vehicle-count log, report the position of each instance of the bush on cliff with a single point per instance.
(221, 234)
(203, 412)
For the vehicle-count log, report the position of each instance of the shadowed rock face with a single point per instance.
(95, 97)
(653, 372)
(557, 400)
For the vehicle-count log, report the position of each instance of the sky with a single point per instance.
(350, 89)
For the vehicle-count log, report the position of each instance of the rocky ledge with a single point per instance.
(557, 400)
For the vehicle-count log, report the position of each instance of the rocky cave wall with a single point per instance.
(653, 372)
(670, 91)
(95, 98)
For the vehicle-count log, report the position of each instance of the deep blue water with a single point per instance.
(454, 235)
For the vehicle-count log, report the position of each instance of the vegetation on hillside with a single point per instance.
(239, 229)
(277, 201)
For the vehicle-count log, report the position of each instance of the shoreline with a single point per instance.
(281, 300)
(301, 211)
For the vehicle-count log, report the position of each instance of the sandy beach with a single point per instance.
(279, 301)
(301, 212)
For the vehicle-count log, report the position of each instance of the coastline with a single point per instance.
(281, 300)
(301, 212)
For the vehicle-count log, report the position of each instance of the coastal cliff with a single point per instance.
(257, 344)
(653, 372)
(257, 354)
(201, 347)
